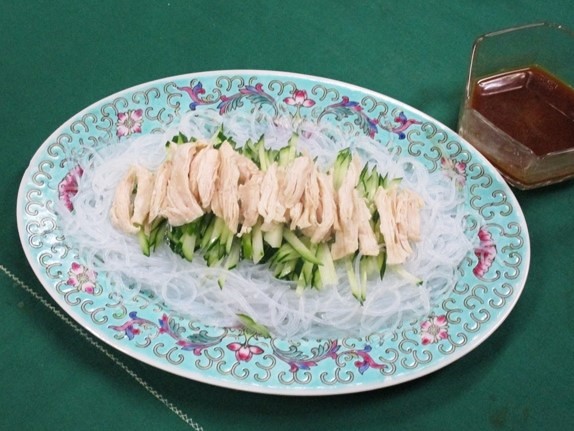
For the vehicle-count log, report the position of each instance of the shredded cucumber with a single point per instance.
(274, 237)
(300, 247)
(252, 326)
(289, 254)
(257, 243)
(342, 163)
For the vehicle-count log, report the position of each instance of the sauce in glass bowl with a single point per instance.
(518, 105)
(523, 121)
(530, 105)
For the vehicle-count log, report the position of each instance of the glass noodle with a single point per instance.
(191, 288)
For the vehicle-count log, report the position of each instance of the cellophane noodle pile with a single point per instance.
(191, 289)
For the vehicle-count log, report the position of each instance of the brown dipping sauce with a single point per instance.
(531, 106)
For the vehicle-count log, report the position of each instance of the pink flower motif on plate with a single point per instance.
(485, 252)
(455, 170)
(244, 351)
(68, 187)
(82, 278)
(434, 329)
(129, 122)
(299, 98)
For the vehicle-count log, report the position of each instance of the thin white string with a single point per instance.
(183, 416)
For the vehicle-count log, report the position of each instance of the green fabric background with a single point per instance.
(58, 57)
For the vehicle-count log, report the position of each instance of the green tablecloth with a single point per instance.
(58, 57)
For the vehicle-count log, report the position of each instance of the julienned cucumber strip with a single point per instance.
(188, 245)
(148, 242)
(234, 254)
(352, 276)
(399, 269)
(286, 269)
(285, 253)
(264, 161)
(157, 233)
(301, 248)
(252, 326)
(274, 237)
(247, 246)
(257, 243)
(288, 153)
(342, 163)
(327, 269)
(144, 242)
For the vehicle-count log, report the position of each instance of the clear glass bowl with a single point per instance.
(508, 54)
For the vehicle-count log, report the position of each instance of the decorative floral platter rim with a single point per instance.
(491, 281)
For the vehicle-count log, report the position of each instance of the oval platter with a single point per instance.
(492, 277)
